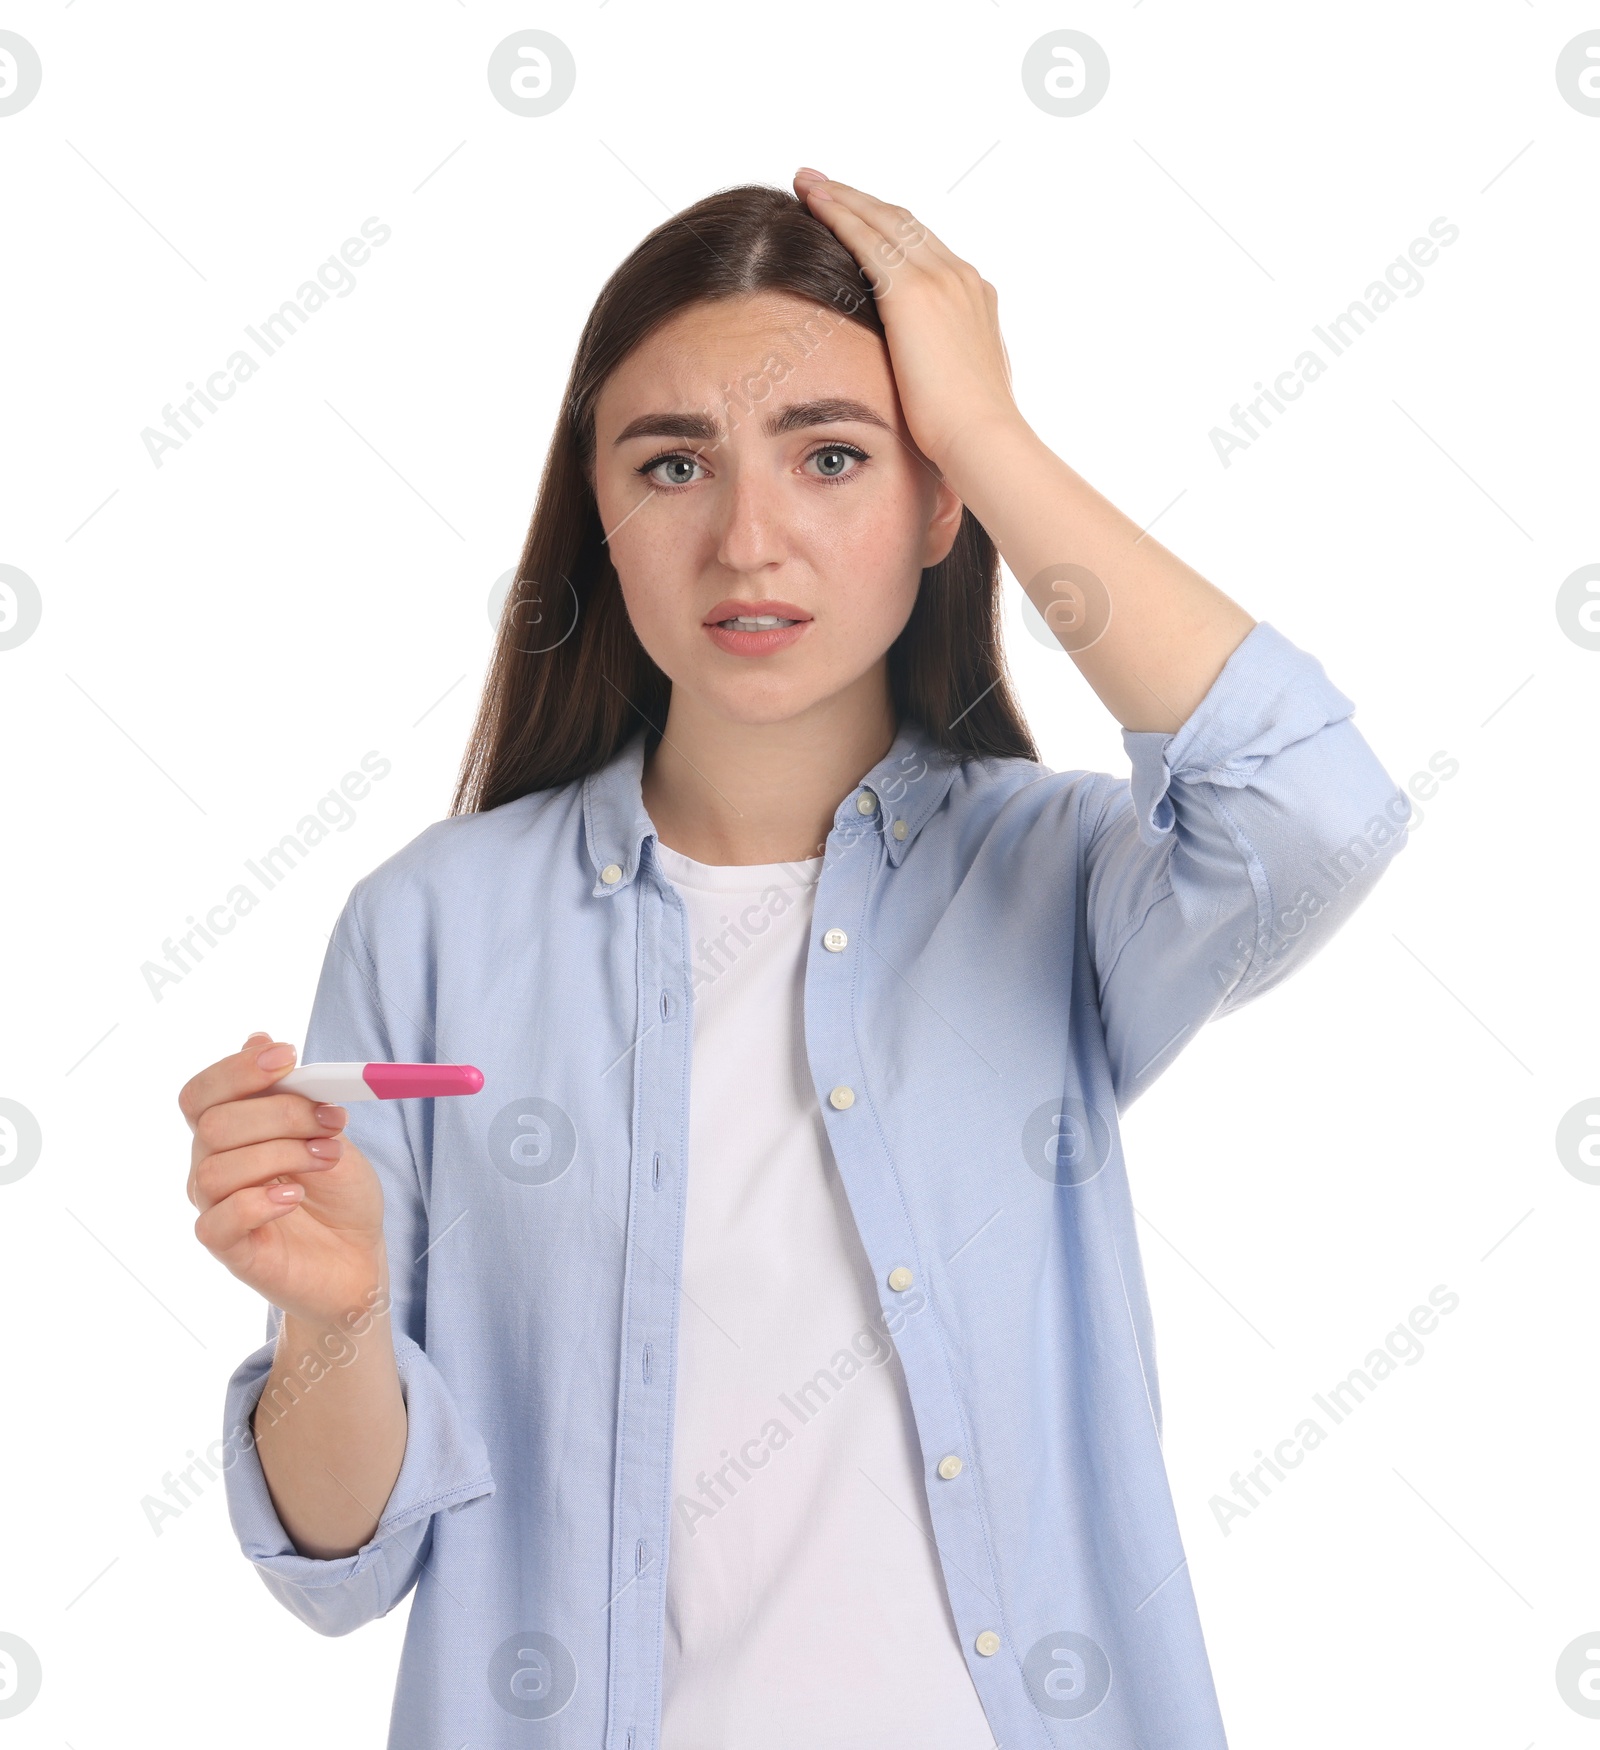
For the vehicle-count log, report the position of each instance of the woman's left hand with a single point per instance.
(939, 314)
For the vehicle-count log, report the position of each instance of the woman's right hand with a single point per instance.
(286, 1203)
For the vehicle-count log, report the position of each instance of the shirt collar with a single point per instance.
(894, 800)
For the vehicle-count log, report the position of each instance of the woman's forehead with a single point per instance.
(713, 355)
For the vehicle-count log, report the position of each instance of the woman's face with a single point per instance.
(739, 474)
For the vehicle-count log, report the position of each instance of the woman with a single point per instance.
(811, 1400)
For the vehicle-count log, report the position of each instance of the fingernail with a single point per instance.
(325, 1148)
(258, 1034)
(332, 1117)
(275, 1058)
(285, 1193)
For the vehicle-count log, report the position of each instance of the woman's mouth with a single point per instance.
(755, 628)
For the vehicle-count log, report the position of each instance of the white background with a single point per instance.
(223, 638)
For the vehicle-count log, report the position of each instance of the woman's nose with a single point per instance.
(754, 522)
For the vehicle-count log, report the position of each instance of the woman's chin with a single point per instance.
(760, 702)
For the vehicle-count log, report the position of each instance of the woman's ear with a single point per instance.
(943, 526)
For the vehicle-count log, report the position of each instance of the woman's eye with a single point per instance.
(679, 470)
(833, 463)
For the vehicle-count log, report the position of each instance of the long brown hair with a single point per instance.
(569, 682)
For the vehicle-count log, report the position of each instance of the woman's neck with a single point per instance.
(723, 792)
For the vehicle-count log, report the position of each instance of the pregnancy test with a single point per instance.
(380, 1081)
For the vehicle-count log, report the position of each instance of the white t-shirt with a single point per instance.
(805, 1606)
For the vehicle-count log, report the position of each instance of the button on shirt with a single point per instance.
(1026, 951)
(804, 1601)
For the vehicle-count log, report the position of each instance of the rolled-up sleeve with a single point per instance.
(1238, 846)
(446, 1463)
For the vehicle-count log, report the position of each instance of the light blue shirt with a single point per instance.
(1001, 958)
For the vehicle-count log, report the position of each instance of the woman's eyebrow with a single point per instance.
(831, 410)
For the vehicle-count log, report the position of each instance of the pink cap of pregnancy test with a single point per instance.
(421, 1081)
